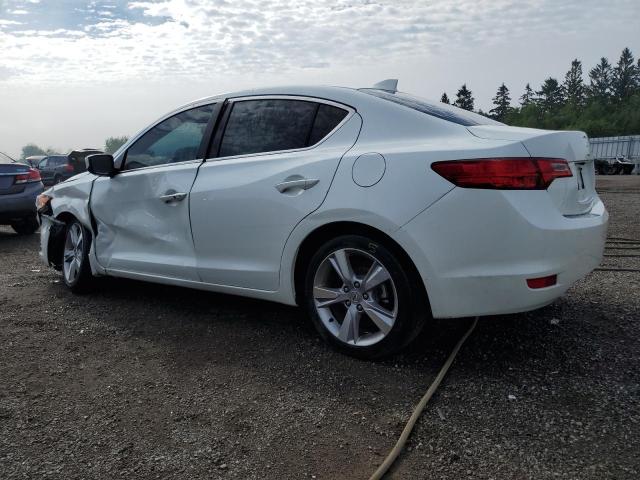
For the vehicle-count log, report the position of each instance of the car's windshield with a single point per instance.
(439, 110)
(6, 158)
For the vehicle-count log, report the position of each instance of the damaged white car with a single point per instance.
(373, 209)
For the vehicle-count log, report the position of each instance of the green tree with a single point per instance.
(112, 144)
(445, 98)
(574, 86)
(502, 102)
(600, 77)
(528, 96)
(551, 95)
(624, 76)
(32, 149)
(464, 98)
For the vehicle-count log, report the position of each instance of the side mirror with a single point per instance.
(101, 164)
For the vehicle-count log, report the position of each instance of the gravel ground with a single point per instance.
(146, 381)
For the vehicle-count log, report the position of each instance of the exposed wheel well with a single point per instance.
(332, 230)
(56, 240)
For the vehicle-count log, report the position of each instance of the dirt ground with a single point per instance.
(145, 381)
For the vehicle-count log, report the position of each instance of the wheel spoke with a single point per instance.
(340, 263)
(349, 330)
(73, 233)
(68, 256)
(382, 318)
(326, 296)
(376, 275)
(73, 270)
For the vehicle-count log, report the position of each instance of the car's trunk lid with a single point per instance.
(573, 196)
(8, 172)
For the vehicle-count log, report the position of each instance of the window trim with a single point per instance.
(214, 150)
(217, 103)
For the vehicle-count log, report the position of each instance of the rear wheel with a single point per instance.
(361, 299)
(75, 258)
(57, 179)
(25, 226)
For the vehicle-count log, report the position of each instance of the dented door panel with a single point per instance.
(139, 231)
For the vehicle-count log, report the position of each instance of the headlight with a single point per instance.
(42, 201)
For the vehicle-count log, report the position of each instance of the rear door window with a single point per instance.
(327, 118)
(176, 139)
(259, 126)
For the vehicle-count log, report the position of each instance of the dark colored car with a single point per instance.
(19, 187)
(614, 166)
(58, 168)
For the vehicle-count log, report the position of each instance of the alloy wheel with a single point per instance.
(73, 253)
(355, 297)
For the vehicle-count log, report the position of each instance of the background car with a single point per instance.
(58, 168)
(34, 160)
(373, 209)
(19, 187)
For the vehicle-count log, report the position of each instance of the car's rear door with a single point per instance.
(142, 213)
(275, 158)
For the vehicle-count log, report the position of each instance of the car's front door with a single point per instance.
(274, 164)
(142, 213)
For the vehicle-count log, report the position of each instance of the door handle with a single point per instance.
(303, 183)
(173, 197)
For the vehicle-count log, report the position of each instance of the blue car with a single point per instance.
(19, 187)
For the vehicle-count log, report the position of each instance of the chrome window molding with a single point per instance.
(350, 112)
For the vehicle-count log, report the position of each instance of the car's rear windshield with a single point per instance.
(5, 158)
(439, 110)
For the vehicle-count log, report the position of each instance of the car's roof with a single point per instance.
(321, 91)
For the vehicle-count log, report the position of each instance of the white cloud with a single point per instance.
(114, 65)
(195, 37)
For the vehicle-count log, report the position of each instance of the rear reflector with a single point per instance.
(503, 173)
(542, 282)
(32, 175)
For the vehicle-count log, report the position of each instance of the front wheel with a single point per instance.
(75, 258)
(362, 299)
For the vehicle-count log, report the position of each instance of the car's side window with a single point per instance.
(175, 139)
(43, 163)
(327, 118)
(266, 125)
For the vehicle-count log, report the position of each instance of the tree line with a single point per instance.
(608, 105)
(111, 144)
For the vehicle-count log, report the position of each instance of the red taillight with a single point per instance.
(542, 282)
(68, 168)
(503, 173)
(32, 175)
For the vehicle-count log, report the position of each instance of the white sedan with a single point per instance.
(373, 209)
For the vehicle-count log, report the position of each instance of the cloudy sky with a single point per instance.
(74, 72)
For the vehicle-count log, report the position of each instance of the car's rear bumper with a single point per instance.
(475, 249)
(20, 205)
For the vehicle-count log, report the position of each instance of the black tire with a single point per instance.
(57, 179)
(83, 280)
(410, 298)
(26, 226)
